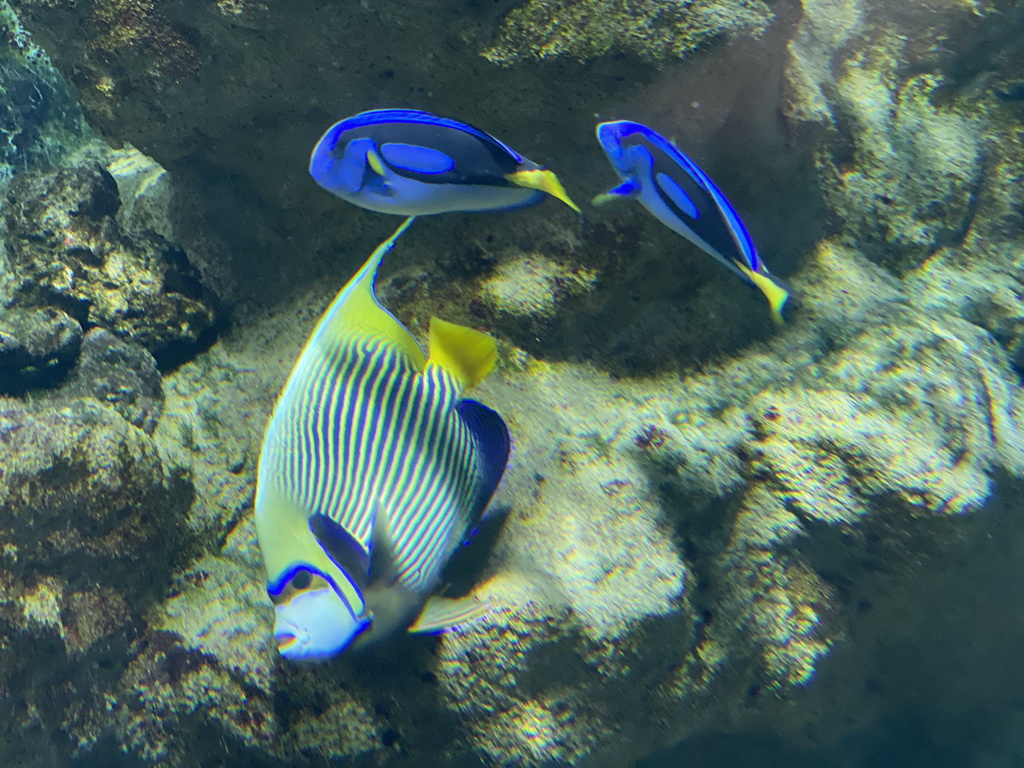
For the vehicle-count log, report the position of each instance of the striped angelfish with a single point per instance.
(373, 471)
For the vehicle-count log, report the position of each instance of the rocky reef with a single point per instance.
(542, 29)
(710, 525)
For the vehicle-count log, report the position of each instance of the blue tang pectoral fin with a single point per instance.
(627, 189)
(345, 173)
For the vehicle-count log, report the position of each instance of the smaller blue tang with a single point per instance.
(413, 163)
(683, 198)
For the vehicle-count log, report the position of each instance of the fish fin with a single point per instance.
(493, 441)
(383, 566)
(545, 181)
(774, 289)
(440, 614)
(352, 165)
(356, 312)
(346, 552)
(628, 188)
(679, 197)
(416, 159)
(466, 354)
(375, 163)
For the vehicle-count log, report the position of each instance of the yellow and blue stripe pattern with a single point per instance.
(363, 431)
(372, 471)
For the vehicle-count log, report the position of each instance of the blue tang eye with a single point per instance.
(677, 195)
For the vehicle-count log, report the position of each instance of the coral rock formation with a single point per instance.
(66, 250)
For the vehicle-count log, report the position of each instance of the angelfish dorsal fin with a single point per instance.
(355, 311)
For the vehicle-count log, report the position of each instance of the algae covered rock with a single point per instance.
(204, 668)
(37, 346)
(120, 374)
(528, 292)
(87, 495)
(66, 250)
(41, 122)
(91, 527)
(904, 153)
(659, 31)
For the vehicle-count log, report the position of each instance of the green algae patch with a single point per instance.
(657, 31)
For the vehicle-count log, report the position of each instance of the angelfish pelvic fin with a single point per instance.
(441, 614)
(382, 554)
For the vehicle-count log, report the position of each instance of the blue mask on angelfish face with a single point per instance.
(316, 623)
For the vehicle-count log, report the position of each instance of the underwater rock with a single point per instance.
(204, 668)
(657, 31)
(527, 292)
(86, 495)
(41, 122)
(91, 526)
(916, 166)
(122, 375)
(903, 155)
(66, 250)
(37, 346)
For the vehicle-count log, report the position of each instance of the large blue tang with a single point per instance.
(413, 163)
(682, 197)
(374, 469)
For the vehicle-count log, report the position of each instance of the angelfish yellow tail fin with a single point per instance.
(466, 354)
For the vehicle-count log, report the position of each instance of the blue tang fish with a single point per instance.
(683, 198)
(413, 163)
(374, 469)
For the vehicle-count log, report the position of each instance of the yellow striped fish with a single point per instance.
(373, 471)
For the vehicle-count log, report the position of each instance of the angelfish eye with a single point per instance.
(302, 580)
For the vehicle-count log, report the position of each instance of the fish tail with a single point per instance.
(775, 290)
(467, 355)
(545, 181)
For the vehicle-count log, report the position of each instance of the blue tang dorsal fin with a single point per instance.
(355, 312)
